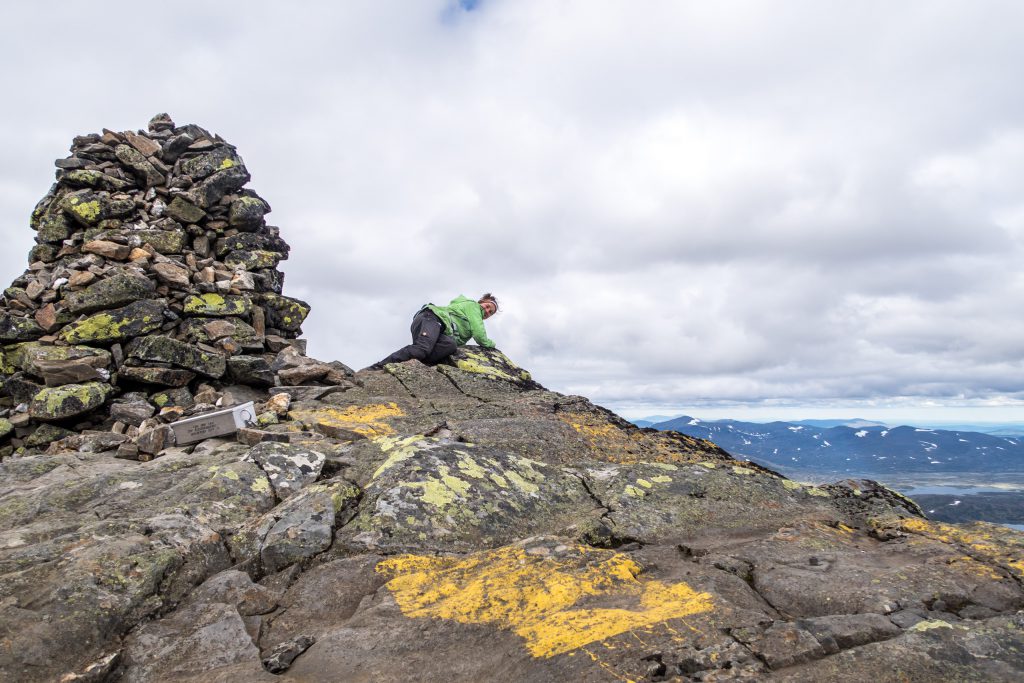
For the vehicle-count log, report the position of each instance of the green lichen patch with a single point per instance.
(133, 320)
(284, 312)
(217, 305)
(258, 259)
(204, 165)
(491, 364)
(85, 207)
(247, 213)
(432, 492)
(171, 241)
(96, 180)
(70, 400)
(18, 329)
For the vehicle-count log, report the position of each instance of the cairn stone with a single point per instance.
(154, 269)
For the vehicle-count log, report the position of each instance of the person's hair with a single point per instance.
(489, 297)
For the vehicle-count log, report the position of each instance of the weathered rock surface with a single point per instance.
(378, 541)
(456, 522)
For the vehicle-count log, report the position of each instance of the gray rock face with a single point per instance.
(160, 349)
(445, 523)
(117, 290)
(91, 545)
(289, 467)
(296, 530)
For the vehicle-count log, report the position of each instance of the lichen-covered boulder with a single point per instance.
(184, 211)
(164, 241)
(211, 190)
(492, 364)
(181, 354)
(259, 259)
(213, 304)
(145, 172)
(251, 241)
(168, 377)
(60, 403)
(45, 434)
(284, 313)
(54, 227)
(34, 355)
(117, 324)
(112, 292)
(15, 328)
(104, 544)
(206, 164)
(247, 213)
(252, 370)
(665, 502)
(96, 180)
(85, 207)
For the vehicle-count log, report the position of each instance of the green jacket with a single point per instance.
(463, 319)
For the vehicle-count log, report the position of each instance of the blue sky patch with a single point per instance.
(456, 8)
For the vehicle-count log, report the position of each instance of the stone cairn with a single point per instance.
(152, 293)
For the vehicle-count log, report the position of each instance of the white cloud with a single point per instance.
(679, 202)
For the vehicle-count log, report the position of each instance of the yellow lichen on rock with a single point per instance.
(929, 624)
(479, 364)
(368, 420)
(399, 449)
(979, 540)
(535, 594)
(623, 444)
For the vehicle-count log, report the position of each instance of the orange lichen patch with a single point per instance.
(535, 593)
(369, 420)
(613, 443)
(987, 543)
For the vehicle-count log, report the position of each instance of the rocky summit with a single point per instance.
(448, 523)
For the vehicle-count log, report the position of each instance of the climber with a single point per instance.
(438, 330)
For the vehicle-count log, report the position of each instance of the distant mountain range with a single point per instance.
(860, 448)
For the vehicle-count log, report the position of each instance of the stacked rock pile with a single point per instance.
(153, 285)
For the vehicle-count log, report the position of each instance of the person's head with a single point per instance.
(488, 304)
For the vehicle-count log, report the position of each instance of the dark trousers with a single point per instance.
(430, 344)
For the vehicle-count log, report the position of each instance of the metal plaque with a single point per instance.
(217, 423)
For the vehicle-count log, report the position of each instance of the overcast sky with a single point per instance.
(721, 208)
